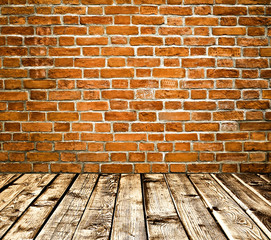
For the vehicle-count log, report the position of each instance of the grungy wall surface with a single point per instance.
(135, 86)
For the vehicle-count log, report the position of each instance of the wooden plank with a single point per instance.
(162, 219)
(62, 224)
(266, 177)
(257, 184)
(17, 187)
(5, 179)
(129, 222)
(19, 204)
(258, 209)
(31, 221)
(232, 219)
(196, 219)
(97, 218)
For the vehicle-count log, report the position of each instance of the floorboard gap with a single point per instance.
(56, 205)
(97, 180)
(144, 206)
(174, 204)
(42, 191)
(115, 203)
(10, 183)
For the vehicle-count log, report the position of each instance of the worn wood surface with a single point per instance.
(197, 221)
(131, 206)
(17, 188)
(162, 219)
(231, 217)
(63, 222)
(29, 224)
(5, 179)
(258, 184)
(19, 204)
(258, 209)
(97, 218)
(129, 213)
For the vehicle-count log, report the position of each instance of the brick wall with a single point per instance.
(135, 86)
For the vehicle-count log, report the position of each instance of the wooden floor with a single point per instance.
(151, 206)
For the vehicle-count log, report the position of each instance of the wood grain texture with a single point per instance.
(5, 179)
(162, 219)
(62, 224)
(196, 219)
(258, 184)
(97, 218)
(255, 206)
(266, 177)
(129, 222)
(17, 187)
(29, 224)
(231, 217)
(19, 204)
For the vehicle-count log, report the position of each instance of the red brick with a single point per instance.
(168, 73)
(116, 94)
(201, 21)
(44, 20)
(152, 41)
(224, 52)
(142, 168)
(66, 167)
(96, 106)
(251, 63)
(181, 157)
(64, 52)
(147, 127)
(96, 20)
(116, 168)
(172, 51)
(222, 73)
(148, 20)
(205, 127)
(121, 10)
(254, 21)
(120, 116)
(65, 73)
(42, 156)
(174, 116)
(18, 146)
(91, 117)
(137, 157)
(259, 104)
(70, 146)
(199, 105)
(146, 105)
(198, 168)
(70, 10)
(199, 41)
(117, 73)
(62, 116)
(13, 116)
(170, 10)
(93, 157)
(255, 167)
(15, 167)
(100, 137)
(37, 127)
(218, 10)
(117, 51)
(159, 168)
(122, 30)
(201, 62)
(229, 31)
(13, 73)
